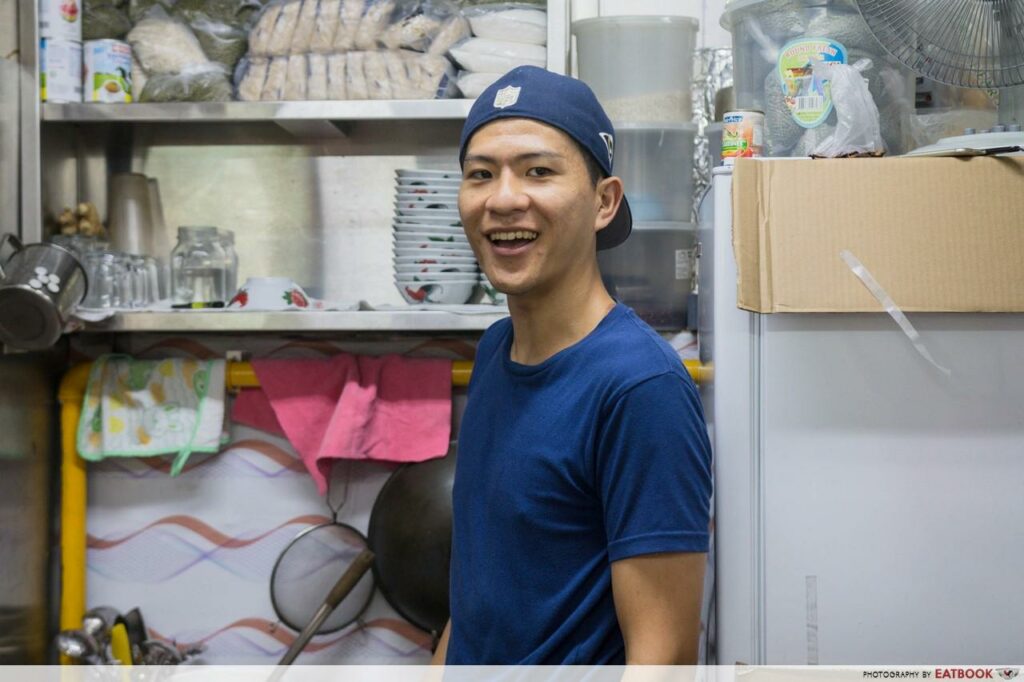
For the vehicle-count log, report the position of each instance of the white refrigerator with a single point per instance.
(869, 508)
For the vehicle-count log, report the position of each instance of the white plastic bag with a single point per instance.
(473, 84)
(858, 131)
(164, 45)
(497, 56)
(508, 22)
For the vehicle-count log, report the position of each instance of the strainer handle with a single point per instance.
(18, 246)
(345, 584)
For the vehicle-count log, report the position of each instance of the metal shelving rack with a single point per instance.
(412, 320)
(210, 112)
(301, 119)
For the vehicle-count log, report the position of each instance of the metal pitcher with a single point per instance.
(40, 285)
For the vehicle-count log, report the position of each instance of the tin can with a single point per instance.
(60, 19)
(60, 70)
(742, 134)
(108, 71)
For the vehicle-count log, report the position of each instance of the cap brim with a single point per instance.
(616, 232)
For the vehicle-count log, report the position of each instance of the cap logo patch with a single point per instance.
(609, 142)
(506, 97)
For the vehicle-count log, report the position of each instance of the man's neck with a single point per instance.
(545, 325)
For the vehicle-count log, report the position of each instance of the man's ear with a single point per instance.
(609, 195)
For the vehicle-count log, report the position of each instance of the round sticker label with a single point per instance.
(808, 97)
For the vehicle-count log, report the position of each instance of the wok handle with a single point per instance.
(18, 246)
(345, 584)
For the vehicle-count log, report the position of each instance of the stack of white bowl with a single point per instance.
(433, 260)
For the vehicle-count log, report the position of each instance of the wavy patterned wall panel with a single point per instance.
(195, 552)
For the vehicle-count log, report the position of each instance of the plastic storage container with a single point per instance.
(713, 131)
(652, 271)
(640, 68)
(656, 167)
(773, 42)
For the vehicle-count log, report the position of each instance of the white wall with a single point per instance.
(8, 27)
(707, 12)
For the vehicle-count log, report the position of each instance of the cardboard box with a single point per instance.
(938, 234)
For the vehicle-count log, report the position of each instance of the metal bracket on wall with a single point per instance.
(308, 129)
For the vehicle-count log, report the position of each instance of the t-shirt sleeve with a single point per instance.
(653, 470)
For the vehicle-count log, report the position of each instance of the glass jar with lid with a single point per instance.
(198, 266)
(227, 242)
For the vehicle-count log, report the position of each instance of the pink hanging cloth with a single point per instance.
(388, 408)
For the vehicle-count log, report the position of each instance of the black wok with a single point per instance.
(411, 535)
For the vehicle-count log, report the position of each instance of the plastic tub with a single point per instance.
(640, 68)
(652, 271)
(773, 40)
(713, 131)
(656, 167)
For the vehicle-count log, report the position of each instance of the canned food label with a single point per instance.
(808, 97)
(108, 71)
(742, 134)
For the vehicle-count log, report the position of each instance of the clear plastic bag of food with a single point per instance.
(337, 76)
(140, 9)
(222, 26)
(316, 77)
(250, 76)
(167, 45)
(510, 22)
(858, 131)
(454, 31)
(375, 70)
(273, 86)
(497, 56)
(376, 18)
(355, 76)
(296, 79)
(279, 43)
(197, 84)
(222, 43)
(416, 24)
(302, 38)
(104, 19)
(263, 29)
(349, 18)
(430, 76)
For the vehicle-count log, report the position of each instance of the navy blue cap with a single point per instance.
(561, 102)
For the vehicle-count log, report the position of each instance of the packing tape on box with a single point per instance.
(868, 280)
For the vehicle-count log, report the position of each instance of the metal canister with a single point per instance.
(742, 134)
(40, 285)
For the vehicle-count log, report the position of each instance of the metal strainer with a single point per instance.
(310, 566)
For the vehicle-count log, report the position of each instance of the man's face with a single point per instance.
(528, 206)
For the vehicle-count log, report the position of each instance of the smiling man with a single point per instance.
(582, 486)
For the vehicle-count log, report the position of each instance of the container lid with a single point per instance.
(649, 125)
(732, 6)
(28, 319)
(666, 225)
(635, 20)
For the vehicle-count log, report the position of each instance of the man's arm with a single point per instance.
(657, 601)
(442, 646)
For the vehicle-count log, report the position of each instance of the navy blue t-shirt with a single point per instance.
(597, 454)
